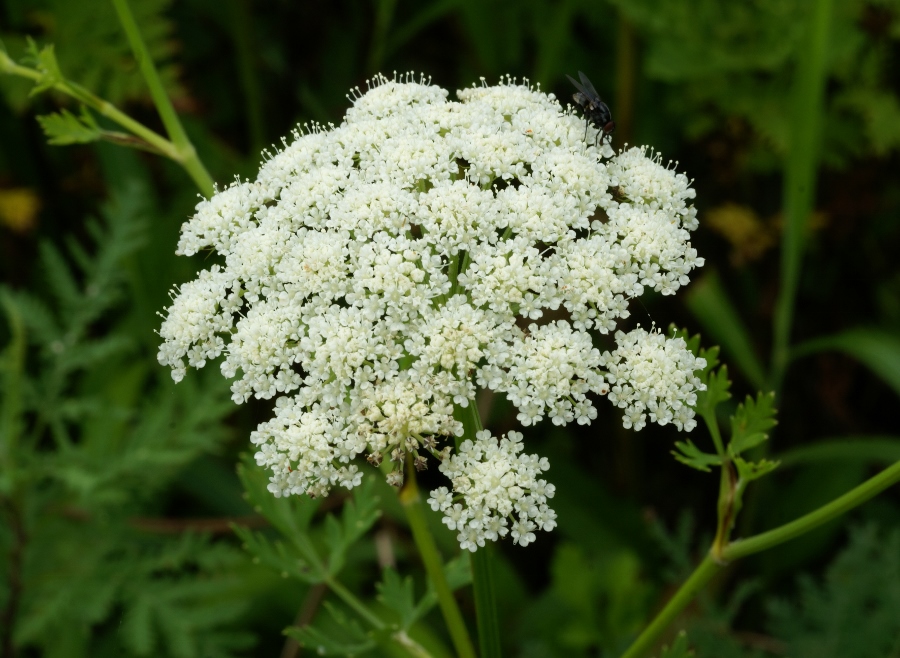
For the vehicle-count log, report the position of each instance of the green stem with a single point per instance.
(409, 645)
(384, 14)
(241, 25)
(486, 602)
(807, 107)
(853, 498)
(187, 154)
(411, 500)
(685, 594)
(626, 75)
(11, 403)
(354, 603)
(744, 547)
(105, 108)
(482, 567)
(712, 424)
(726, 510)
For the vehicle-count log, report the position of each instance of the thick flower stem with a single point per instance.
(744, 547)
(411, 500)
(486, 603)
(482, 569)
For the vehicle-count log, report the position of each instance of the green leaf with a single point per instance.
(717, 388)
(286, 559)
(358, 515)
(712, 376)
(751, 422)
(851, 612)
(679, 648)
(690, 455)
(93, 49)
(710, 304)
(44, 60)
(291, 515)
(865, 449)
(62, 128)
(397, 594)
(749, 471)
(878, 350)
(346, 639)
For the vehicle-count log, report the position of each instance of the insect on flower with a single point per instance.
(595, 110)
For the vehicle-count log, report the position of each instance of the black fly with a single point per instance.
(596, 112)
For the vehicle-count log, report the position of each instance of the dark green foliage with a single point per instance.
(92, 49)
(347, 637)
(741, 69)
(297, 553)
(852, 611)
(679, 648)
(85, 456)
(104, 461)
(398, 593)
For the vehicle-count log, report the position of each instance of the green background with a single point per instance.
(118, 488)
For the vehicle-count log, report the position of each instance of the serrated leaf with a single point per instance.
(278, 555)
(690, 455)
(679, 648)
(357, 516)
(352, 640)
(62, 128)
(44, 60)
(397, 594)
(291, 515)
(749, 471)
(851, 611)
(717, 390)
(93, 49)
(751, 422)
(711, 355)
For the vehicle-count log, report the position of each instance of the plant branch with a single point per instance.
(187, 155)
(744, 547)
(853, 498)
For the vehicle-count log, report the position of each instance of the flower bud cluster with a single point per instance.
(377, 273)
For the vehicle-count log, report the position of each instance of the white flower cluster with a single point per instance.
(649, 372)
(496, 483)
(377, 273)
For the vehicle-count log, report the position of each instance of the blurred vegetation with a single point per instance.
(121, 504)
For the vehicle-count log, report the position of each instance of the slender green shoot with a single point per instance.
(186, 152)
(800, 177)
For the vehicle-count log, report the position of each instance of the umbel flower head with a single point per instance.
(376, 274)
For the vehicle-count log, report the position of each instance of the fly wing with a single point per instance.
(588, 88)
(584, 91)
